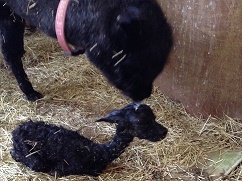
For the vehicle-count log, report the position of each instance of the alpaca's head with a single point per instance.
(137, 42)
(139, 120)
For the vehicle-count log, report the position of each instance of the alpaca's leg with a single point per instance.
(11, 31)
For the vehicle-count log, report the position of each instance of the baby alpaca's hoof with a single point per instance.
(34, 96)
(54, 174)
(12, 153)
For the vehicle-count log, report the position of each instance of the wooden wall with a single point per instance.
(205, 67)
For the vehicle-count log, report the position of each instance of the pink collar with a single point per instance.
(59, 29)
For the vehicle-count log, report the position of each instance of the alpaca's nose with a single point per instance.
(136, 105)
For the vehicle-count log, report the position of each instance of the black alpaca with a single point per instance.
(128, 40)
(61, 152)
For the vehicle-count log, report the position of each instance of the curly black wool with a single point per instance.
(58, 151)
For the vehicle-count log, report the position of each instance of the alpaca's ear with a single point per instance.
(129, 21)
(112, 117)
(129, 16)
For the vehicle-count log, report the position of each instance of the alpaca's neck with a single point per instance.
(116, 147)
(81, 17)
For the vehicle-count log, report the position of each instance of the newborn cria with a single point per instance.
(58, 151)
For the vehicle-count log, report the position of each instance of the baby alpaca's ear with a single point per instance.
(112, 117)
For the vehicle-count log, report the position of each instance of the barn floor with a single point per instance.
(76, 94)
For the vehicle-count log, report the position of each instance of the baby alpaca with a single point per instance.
(128, 40)
(58, 151)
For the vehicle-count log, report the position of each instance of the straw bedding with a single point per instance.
(76, 94)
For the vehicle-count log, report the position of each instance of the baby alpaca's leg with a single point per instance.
(35, 162)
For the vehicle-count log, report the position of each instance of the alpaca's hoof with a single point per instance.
(34, 96)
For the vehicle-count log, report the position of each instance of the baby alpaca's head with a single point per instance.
(139, 120)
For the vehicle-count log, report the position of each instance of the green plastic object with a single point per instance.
(222, 162)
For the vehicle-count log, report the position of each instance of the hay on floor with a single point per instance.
(76, 94)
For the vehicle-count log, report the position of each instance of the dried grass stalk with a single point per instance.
(76, 94)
